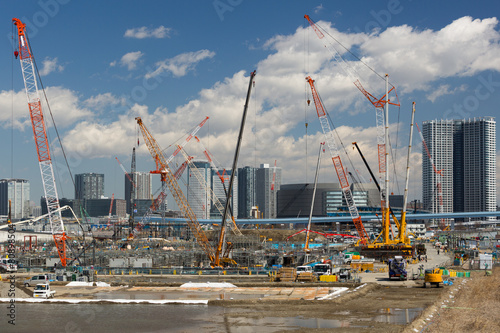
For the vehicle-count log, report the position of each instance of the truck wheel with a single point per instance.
(425, 285)
(26, 285)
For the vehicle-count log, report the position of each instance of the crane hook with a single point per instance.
(308, 102)
(16, 53)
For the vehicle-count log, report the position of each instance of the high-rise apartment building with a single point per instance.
(247, 178)
(464, 151)
(89, 186)
(143, 187)
(197, 195)
(264, 194)
(220, 192)
(18, 192)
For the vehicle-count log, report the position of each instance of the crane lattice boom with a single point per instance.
(41, 142)
(218, 205)
(176, 191)
(344, 182)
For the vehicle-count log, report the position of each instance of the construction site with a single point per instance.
(344, 275)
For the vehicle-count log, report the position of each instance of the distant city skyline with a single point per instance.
(175, 66)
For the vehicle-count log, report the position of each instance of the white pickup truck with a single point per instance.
(43, 290)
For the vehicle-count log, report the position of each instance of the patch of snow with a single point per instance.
(79, 284)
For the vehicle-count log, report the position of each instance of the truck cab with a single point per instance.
(42, 290)
(322, 269)
(8, 265)
(303, 269)
(397, 268)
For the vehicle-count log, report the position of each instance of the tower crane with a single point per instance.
(42, 144)
(332, 147)
(157, 154)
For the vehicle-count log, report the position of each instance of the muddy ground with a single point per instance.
(373, 308)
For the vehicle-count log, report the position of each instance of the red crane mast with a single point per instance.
(42, 144)
(339, 168)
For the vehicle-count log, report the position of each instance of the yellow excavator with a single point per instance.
(433, 276)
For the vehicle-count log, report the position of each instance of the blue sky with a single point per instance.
(105, 62)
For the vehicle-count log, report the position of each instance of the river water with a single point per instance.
(78, 318)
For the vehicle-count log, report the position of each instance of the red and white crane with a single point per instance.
(111, 209)
(41, 141)
(334, 152)
(274, 176)
(382, 115)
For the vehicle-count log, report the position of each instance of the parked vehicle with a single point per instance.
(397, 268)
(322, 269)
(350, 256)
(302, 269)
(8, 265)
(34, 280)
(43, 290)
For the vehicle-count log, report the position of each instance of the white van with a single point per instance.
(34, 280)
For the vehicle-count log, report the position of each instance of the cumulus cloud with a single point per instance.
(64, 103)
(415, 59)
(181, 64)
(50, 65)
(444, 89)
(130, 60)
(145, 32)
(101, 101)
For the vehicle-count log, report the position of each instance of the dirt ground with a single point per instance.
(471, 305)
(377, 305)
(373, 308)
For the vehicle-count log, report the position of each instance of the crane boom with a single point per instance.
(42, 144)
(180, 198)
(211, 193)
(190, 136)
(332, 147)
(160, 199)
(274, 176)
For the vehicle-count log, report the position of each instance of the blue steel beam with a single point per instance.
(342, 219)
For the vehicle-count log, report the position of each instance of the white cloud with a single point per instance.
(318, 9)
(64, 103)
(144, 32)
(101, 101)
(50, 65)
(444, 89)
(417, 58)
(277, 111)
(181, 64)
(130, 60)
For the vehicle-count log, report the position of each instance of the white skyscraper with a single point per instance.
(464, 151)
(266, 196)
(18, 192)
(197, 195)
